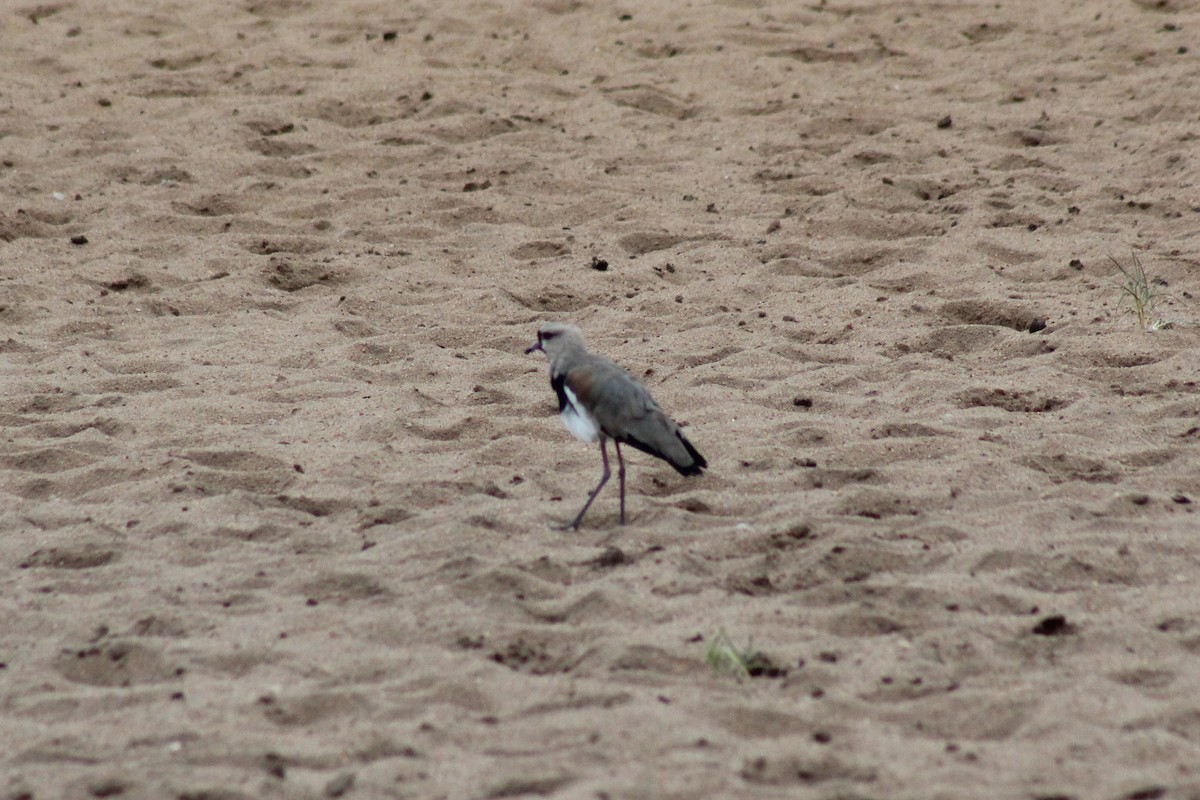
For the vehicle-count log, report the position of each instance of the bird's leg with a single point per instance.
(621, 475)
(574, 524)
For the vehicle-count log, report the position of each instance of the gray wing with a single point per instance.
(626, 413)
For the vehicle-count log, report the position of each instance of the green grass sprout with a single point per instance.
(1142, 292)
(727, 658)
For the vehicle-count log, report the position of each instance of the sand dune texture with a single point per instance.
(277, 481)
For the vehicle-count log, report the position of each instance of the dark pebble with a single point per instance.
(611, 557)
(1054, 625)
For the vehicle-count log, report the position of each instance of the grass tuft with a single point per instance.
(727, 658)
(1142, 293)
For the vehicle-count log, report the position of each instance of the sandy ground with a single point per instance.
(277, 481)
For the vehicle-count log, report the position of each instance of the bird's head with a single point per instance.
(556, 337)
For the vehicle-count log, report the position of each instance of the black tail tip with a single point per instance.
(698, 465)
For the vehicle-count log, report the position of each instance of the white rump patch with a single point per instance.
(578, 421)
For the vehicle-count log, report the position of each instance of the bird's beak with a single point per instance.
(534, 347)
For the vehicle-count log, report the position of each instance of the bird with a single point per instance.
(599, 400)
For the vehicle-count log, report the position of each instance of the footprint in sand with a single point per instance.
(116, 664)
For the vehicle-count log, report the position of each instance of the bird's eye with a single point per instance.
(549, 335)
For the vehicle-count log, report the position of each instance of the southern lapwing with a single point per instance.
(599, 400)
